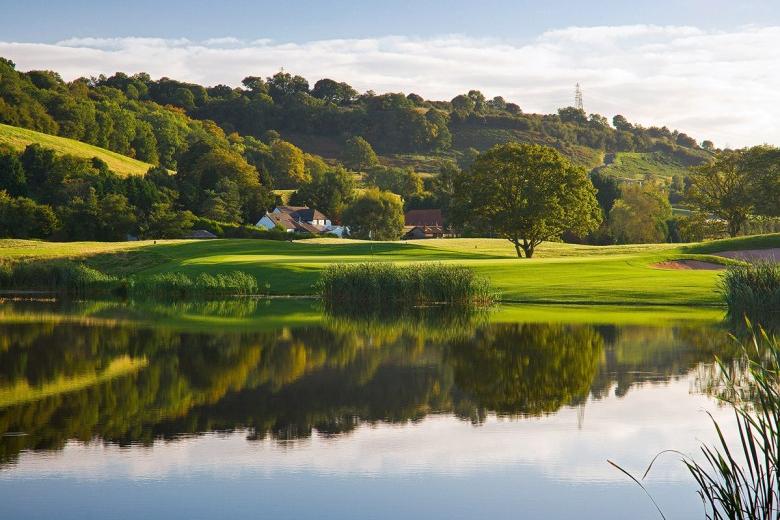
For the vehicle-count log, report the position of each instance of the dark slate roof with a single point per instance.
(302, 213)
(423, 217)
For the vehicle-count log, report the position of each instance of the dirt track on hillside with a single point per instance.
(753, 255)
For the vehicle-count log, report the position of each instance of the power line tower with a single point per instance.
(578, 98)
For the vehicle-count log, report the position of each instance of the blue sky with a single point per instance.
(303, 20)
(706, 67)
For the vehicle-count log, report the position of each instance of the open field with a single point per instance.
(561, 273)
(18, 138)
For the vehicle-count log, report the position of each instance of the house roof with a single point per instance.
(288, 222)
(423, 217)
(302, 213)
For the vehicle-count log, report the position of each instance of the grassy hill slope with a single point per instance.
(562, 273)
(635, 165)
(18, 138)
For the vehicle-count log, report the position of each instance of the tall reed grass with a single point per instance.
(752, 290)
(741, 479)
(385, 284)
(75, 279)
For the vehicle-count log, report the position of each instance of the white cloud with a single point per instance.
(717, 85)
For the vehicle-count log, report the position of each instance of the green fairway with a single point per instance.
(561, 273)
(18, 138)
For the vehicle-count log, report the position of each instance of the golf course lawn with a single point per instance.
(559, 273)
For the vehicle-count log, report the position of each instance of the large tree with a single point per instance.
(358, 154)
(640, 215)
(527, 194)
(725, 188)
(327, 191)
(375, 215)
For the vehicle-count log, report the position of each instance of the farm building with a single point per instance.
(424, 223)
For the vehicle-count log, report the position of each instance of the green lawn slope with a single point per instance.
(561, 273)
(18, 138)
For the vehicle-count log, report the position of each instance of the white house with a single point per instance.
(300, 219)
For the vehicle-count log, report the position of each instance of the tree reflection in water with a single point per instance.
(56, 382)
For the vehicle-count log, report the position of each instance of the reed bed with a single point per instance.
(740, 479)
(75, 279)
(378, 284)
(752, 290)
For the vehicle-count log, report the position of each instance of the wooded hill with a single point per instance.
(155, 121)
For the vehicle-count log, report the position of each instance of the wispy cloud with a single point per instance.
(718, 85)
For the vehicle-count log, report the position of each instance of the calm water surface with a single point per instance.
(272, 410)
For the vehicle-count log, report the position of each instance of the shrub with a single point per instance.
(180, 285)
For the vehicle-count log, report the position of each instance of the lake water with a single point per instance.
(272, 410)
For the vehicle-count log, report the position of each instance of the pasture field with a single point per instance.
(560, 273)
(18, 139)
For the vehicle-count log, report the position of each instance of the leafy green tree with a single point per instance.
(607, 190)
(329, 192)
(358, 154)
(375, 215)
(117, 218)
(763, 165)
(289, 165)
(165, 222)
(402, 181)
(526, 194)
(724, 188)
(463, 102)
(21, 217)
(640, 215)
(334, 92)
(12, 177)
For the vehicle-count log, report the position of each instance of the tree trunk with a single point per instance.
(733, 228)
(517, 250)
(529, 250)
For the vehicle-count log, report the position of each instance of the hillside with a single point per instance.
(636, 165)
(18, 138)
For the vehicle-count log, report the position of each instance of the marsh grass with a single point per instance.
(76, 279)
(741, 479)
(376, 285)
(180, 285)
(60, 276)
(752, 290)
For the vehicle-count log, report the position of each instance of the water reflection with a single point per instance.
(117, 378)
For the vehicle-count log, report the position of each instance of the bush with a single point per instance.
(753, 290)
(384, 284)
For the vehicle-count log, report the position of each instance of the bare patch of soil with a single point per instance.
(688, 264)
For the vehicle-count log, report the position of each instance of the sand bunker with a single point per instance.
(688, 264)
(753, 255)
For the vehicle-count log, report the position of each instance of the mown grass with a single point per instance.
(560, 273)
(382, 284)
(18, 139)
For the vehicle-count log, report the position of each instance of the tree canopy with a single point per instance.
(527, 194)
